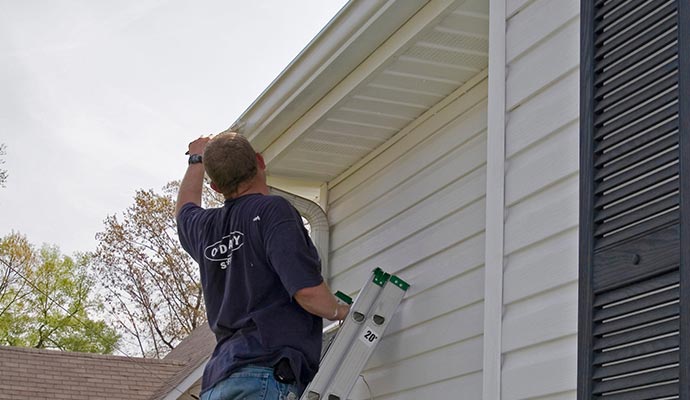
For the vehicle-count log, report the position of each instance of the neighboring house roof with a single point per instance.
(194, 351)
(50, 374)
(27, 373)
(200, 342)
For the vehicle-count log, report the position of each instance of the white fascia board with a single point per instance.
(187, 383)
(395, 44)
(356, 31)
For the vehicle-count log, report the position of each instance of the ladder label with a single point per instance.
(370, 337)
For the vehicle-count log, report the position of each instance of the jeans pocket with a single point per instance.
(246, 384)
(288, 391)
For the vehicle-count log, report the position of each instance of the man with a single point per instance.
(260, 273)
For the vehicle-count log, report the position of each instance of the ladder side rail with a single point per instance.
(360, 309)
(363, 347)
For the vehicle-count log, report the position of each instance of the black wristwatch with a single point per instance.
(194, 159)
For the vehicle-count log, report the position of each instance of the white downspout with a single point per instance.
(318, 221)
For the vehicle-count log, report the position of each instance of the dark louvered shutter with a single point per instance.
(633, 324)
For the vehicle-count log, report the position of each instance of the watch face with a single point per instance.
(195, 158)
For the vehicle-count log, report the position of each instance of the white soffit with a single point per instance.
(438, 49)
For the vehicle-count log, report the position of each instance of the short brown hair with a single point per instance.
(229, 160)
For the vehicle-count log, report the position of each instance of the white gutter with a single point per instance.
(395, 44)
(357, 30)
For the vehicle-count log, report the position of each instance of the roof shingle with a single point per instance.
(193, 352)
(49, 374)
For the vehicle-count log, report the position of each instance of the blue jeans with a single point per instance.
(252, 383)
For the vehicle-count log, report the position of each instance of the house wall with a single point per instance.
(417, 210)
(539, 325)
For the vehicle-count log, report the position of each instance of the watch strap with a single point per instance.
(195, 159)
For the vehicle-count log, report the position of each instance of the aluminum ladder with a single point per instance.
(358, 336)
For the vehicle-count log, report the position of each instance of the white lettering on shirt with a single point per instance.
(222, 250)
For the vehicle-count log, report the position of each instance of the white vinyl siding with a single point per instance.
(417, 210)
(539, 334)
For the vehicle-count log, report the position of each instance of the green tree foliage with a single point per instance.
(46, 301)
(154, 292)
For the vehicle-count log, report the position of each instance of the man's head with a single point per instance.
(230, 161)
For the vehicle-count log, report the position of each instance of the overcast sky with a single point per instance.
(99, 98)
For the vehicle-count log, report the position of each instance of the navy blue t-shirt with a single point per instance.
(254, 254)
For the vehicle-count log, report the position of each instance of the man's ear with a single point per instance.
(260, 161)
(215, 188)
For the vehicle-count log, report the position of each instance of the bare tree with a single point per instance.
(3, 172)
(153, 289)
